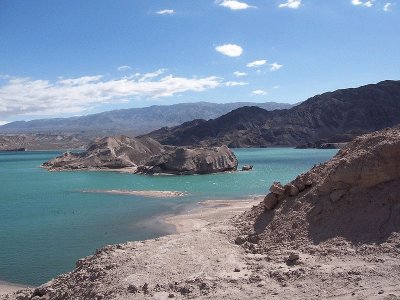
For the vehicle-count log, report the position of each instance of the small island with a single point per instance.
(145, 156)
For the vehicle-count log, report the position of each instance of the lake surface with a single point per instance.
(47, 222)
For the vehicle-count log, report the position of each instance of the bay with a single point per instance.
(47, 221)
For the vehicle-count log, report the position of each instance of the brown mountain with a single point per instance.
(335, 116)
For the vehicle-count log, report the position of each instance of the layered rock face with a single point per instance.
(192, 161)
(146, 156)
(354, 196)
(108, 153)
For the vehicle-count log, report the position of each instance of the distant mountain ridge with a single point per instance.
(133, 121)
(335, 116)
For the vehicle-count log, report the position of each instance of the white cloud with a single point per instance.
(256, 63)
(3, 123)
(233, 4)
(368, 3)
(231, 50)
(165, 12)
(275, 66)
(260, 93)
(294, 4)
(387, 7)
(74, 95)
(236, 83)
(239, 74)
(124, 68)
(151, 75)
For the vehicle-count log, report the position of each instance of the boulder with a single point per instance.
(270, 201)
(247, 168)
(277, 189)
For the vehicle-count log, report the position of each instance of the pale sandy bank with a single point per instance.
(208, 212)
(151, 194)
(6, 287)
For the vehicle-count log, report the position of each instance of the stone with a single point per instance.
(293, 257)
(300, 186)
(133, 289)
(145, 288)
(270, 201)
(240, 240)
(277, 188)
(292, 190)
(247, 168)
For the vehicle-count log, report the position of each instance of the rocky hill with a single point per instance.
(131, 122)
(145, 156)
(354, 197)
(328, 118)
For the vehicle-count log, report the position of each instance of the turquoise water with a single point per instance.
(47, 222)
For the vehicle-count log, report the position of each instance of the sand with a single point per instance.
(208, 212)
(7, 287)
(151, 194)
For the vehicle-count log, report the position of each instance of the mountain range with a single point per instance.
(331, 117)
(131, 122)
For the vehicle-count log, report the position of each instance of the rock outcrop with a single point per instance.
(324, 120)
(191, 161)
(355, 196)
(145, 156)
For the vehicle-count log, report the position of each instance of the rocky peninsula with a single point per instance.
(333, 232)
(145, 156)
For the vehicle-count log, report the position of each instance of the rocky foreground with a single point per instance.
(332, 233)
(145, 156)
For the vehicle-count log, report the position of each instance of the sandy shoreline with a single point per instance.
(7, 287)
(207, 212)
(144, 193)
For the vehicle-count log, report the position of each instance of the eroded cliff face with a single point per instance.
(145, 156)
(355, 196)
(192, 161)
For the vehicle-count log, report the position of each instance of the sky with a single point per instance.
(61, 58)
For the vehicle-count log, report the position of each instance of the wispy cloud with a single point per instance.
(256, 63)
(165, 12)
(387, 7)
(73, 95)
(293, 4)
(231, 50)
(275, 66)
(234, 5)
(151, 75)
(236, 83)
(124, 68)
(368, 3)
(260, 93)
(239, 74)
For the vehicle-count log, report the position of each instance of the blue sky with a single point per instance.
(63, 58)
